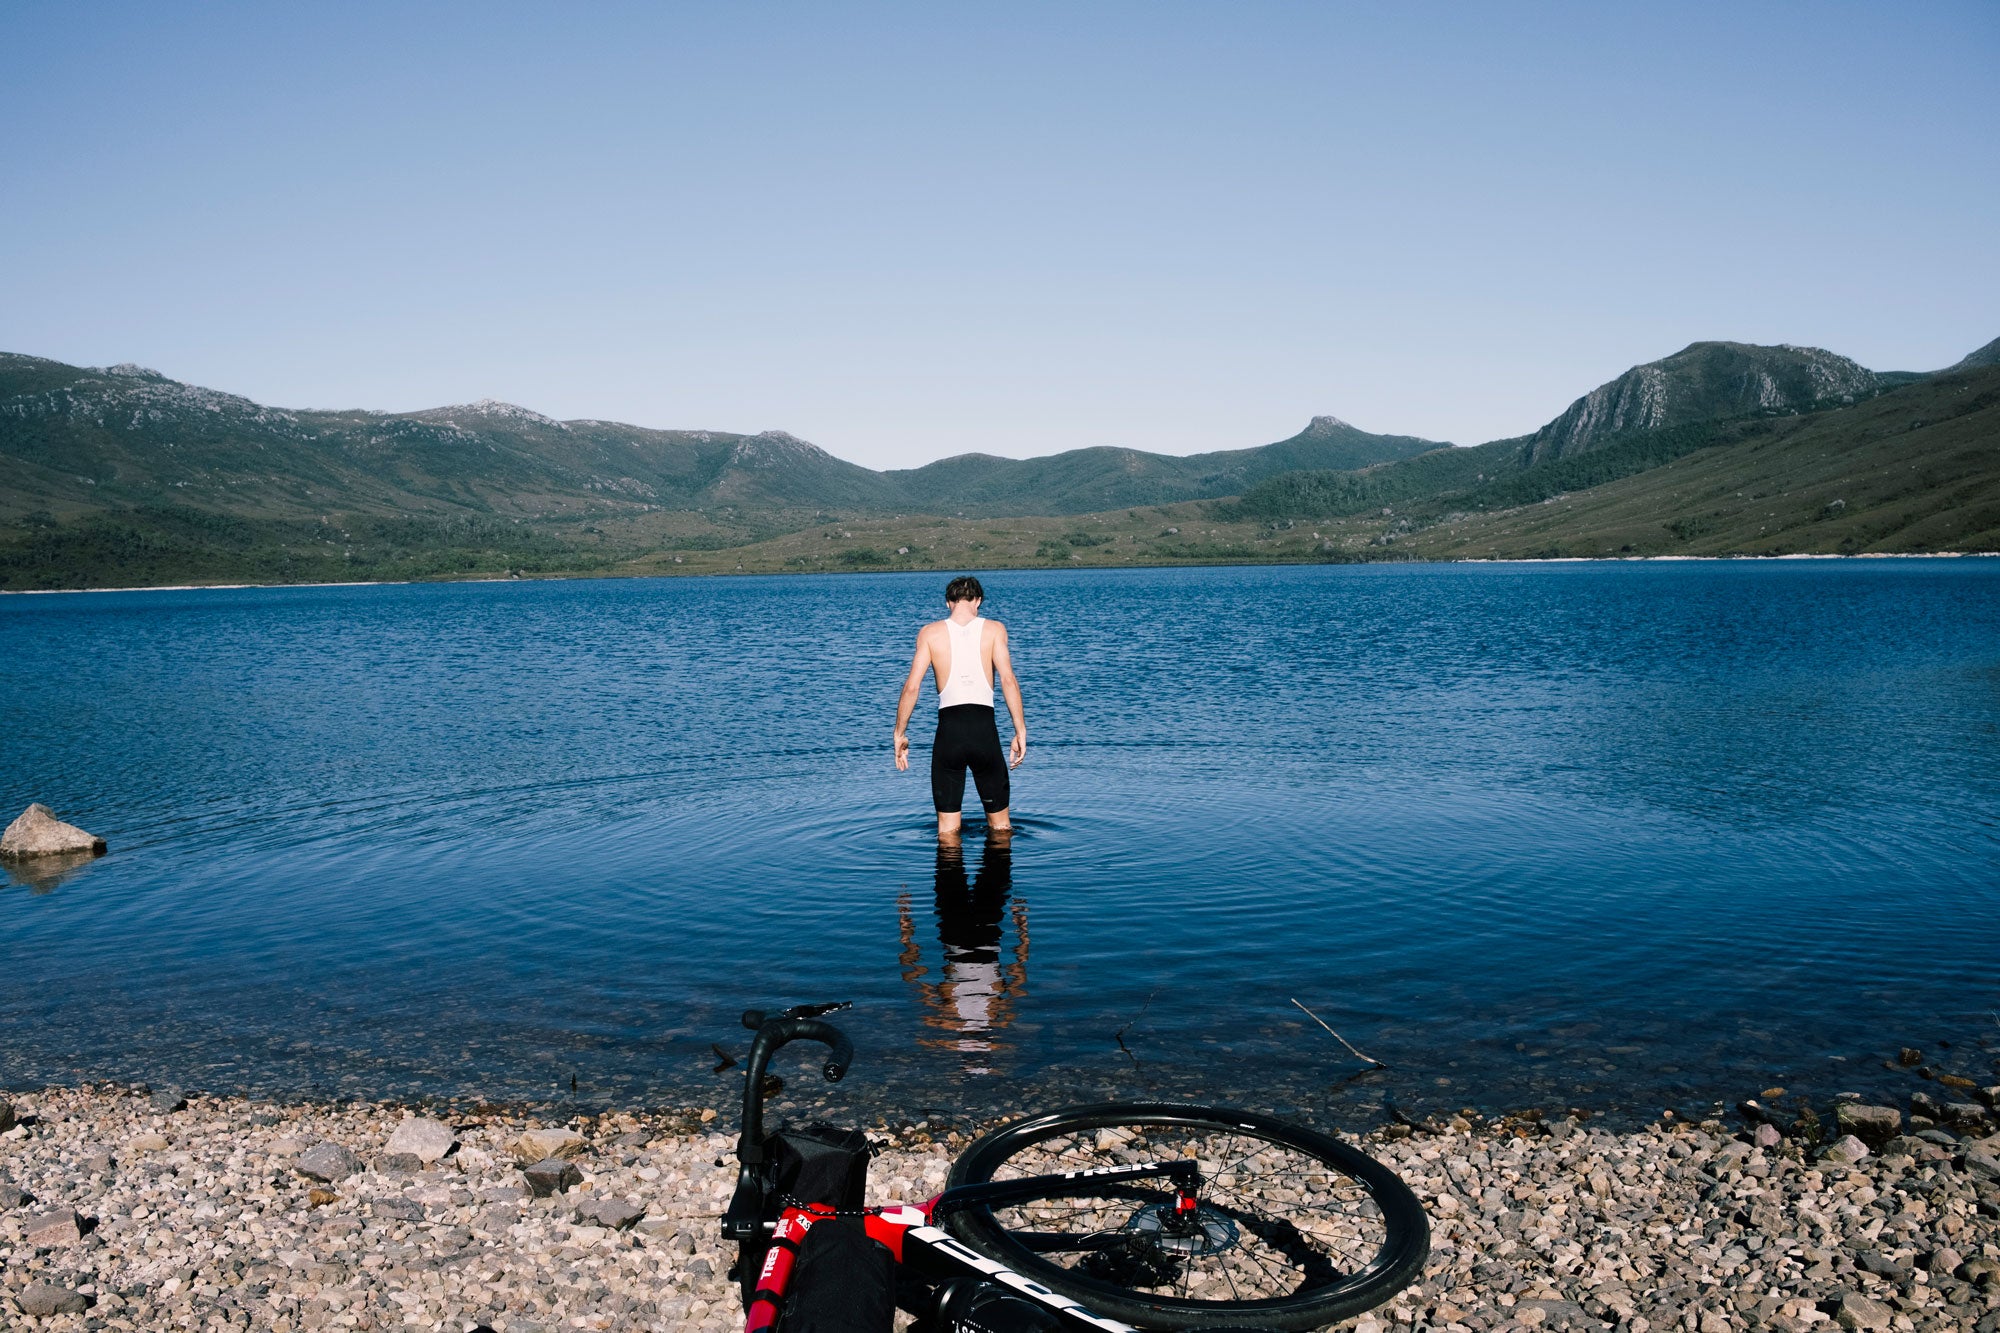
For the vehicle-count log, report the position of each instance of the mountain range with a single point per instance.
(81, 439)
(122, 474)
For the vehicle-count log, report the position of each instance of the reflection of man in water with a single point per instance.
(965, 652)
(975, 993)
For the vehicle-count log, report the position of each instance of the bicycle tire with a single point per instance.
(1358, 1235)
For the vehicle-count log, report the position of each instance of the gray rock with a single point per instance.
(614, 1213)
(1969, 1117)
(402, 1161)
(496, 1218)
(1873, 1125)
(538, 1145)
(43, 1299)
(60, 1226)
(12, 1195)
(37, 832)
(1944, 1261)
(328, 1162)
(1559, 1314)
(1767, 1136)
(169, 1100)
(551, 1176)
(1859, 1312)
(422, 1138)
(1844, 1151)
(6, 1116)
(1730, 1157)
(1981, 1163)
(1980, 1272)
(1874, 1261)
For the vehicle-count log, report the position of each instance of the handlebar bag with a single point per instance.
(818, 1163)
(845, 1282)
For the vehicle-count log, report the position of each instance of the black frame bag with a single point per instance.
(845, 1282)
(801, 1164)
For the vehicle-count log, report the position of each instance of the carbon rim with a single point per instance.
(1296, 1228)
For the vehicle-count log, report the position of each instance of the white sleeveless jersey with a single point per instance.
(965, 681)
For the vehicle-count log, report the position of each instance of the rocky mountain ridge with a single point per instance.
(83, 438)
(1707, 381)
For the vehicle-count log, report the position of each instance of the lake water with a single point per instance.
(1616, 835)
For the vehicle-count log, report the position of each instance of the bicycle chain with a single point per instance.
(792, 1201)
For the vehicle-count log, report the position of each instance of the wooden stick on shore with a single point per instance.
(1365, 1059)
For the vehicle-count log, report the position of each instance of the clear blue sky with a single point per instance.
(907, 231)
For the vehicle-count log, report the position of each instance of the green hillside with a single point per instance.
(1916, 469)
(120, 476)
(84, 440)
(1085, 481)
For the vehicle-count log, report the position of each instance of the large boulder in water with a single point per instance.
(39, 833)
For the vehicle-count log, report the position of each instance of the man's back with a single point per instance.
(964, 654)
(962, 659)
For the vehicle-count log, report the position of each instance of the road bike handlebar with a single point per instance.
(772, 1035)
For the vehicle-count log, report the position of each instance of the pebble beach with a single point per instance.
(135, 1209)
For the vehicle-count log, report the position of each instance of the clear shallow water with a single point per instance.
(1613, 835)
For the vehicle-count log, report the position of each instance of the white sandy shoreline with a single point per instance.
(791, 573)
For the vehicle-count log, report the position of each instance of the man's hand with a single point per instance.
(1017, 749)
(903, 752)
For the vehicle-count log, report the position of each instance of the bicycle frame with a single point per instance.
(914, 1239)
(911, 1233)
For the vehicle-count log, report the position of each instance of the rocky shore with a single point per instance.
(134, 1209)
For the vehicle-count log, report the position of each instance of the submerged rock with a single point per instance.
(37, 832)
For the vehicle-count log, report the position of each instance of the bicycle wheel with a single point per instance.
(1295, 1228)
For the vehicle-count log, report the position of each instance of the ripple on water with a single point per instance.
(1588, 833)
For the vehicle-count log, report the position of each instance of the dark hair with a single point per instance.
(964, 588)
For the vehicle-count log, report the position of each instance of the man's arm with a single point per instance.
(920, 662)
(1003, 667)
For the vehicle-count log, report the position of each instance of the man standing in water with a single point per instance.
(965, 652)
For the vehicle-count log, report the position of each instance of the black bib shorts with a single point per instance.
(967, 737)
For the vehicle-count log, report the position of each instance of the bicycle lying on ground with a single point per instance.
(1148, 1215)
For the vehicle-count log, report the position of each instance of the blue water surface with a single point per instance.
(1620, 835)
